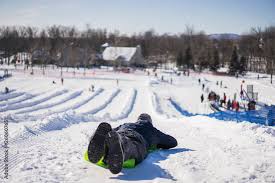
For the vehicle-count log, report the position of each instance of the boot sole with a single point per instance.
(115, 154)
(96, 146)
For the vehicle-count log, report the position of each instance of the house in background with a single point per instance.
(23, 57)
(2, 54)
(257, 64)
(123, 56)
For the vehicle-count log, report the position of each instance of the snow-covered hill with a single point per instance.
(50, 126)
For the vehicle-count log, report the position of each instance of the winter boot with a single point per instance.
(115, 154)
(96, 148)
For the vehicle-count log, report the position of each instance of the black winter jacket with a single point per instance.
(152, 136)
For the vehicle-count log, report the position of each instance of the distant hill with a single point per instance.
(224, 36)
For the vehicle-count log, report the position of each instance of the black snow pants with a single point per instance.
(133, 145)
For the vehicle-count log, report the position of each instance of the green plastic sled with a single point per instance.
(131, 163)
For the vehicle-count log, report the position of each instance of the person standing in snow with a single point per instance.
(251, 105)
(228, 104)
(202, 98)
(241, 94)
(224, 98)
(203, 87)
(237, 106)
(234, 104)
(199, 81)
(218, 98)
(62, 80)
(7, 90)
(127, 141)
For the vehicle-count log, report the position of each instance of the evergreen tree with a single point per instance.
(216, 61)
(234, 62)
(242, 68)
(180, 59)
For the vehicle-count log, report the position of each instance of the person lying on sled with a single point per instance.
(127, 141)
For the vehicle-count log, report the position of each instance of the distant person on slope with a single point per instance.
(241, 94)
(202, 98)
(234, 104)
(237, 107)
(224, 98)
(127, 141)
(7, 90)
(229, 104)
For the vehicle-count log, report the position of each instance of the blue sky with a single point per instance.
(134, 16)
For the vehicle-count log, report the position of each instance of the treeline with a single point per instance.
(190, 49)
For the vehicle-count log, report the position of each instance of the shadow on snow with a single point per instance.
(149, 169)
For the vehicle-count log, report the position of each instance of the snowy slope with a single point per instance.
(49, 130)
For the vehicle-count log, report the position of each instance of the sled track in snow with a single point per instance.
(60, 121)
(128, 107)
(76, 105)
(156, 103)
(46, 106)
(9, 96)
(125, 110)
(33, 103)
(105, 104)
(26, 96)
(66, 119)
(19, 99)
